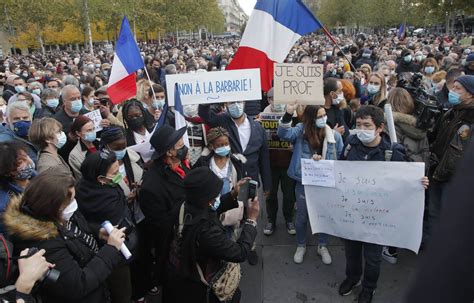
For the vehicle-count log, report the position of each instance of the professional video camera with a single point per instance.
(426, 105)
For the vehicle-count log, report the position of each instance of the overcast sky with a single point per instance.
(247, 5)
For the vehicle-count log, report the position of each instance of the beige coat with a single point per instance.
(47, 160)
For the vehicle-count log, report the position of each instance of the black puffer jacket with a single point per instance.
(83, 272)
(204, 241)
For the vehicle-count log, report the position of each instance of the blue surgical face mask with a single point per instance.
(90, 137)
(454, 98)
(373, 89)
(91, 101)
(429, 69)
(36, 91)
(20, 89)
(120, 154)
(407, 58)
(62, 139)
(321, 122)
(52, 103)
(223, 151)
(76, 106)
(216, 203)
(21, 128)
(158, 104)
(236, 110)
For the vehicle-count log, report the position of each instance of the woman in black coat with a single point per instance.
(46, 217)
(100, 198)
(200, 240)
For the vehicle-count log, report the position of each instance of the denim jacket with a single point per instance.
(332, 146)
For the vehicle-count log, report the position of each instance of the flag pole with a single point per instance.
(151, 83)
(328, 34)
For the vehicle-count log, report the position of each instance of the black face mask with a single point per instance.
(182, 153)
(136, 123)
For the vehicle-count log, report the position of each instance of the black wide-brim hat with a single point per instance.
(164, 138)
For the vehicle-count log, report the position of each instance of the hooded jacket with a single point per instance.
(414, 139)
(82, 272)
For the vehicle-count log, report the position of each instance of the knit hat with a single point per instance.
(470, 57)
(111, 134)
(201, 186)
(467, 82)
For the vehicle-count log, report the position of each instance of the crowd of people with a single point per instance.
(180, 213)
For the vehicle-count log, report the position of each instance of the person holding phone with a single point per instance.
(311, 139)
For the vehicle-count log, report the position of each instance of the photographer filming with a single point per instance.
(203, 263)
(32, 267)
(46, 217)
(453, 134)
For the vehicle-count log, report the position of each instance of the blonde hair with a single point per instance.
(42, 130)
(401, 101)
(381, 95)
(439, 76)
(143, 85)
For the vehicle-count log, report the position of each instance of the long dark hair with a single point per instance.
(312, 134)
(131, 103)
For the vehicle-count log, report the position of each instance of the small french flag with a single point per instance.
(127, 60)
(179, 119)
(271, 32)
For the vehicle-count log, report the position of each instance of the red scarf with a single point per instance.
(179, 170)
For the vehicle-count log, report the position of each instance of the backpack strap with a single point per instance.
(347, 150)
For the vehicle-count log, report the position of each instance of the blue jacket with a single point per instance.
(332, 146)
(359, 152)
(7, 191)
(258, 158)
(7, 135)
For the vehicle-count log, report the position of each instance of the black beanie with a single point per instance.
(201, 186)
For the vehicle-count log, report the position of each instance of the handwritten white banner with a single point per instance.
(215, 87)
(375, 202)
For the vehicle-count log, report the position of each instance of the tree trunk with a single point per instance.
(448, 19)
(88, 26)
(41, 42)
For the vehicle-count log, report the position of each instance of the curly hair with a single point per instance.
(215, 133)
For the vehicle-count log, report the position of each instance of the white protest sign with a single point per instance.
(215, 87)
(298, 82)
(375, 202)
(319, 173)
(144, 149)
(96, 117)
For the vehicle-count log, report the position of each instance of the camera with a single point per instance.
(426, 106)
(51, 276)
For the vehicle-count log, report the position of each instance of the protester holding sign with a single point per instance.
(312, 138)
(370, 144)
(334, 95)
(280, 157)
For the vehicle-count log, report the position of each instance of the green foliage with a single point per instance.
(387, 13)
(65, 21)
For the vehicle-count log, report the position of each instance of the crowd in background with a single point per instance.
(180, 213)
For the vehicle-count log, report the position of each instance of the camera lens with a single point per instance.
(51, 276)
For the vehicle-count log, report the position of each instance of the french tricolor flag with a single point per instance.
(127, 60)
(272, 30)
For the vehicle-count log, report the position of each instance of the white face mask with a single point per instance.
(366, 136)
(69, 210)
(339, 99)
